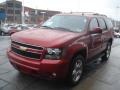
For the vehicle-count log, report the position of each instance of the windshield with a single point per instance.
(66, 22)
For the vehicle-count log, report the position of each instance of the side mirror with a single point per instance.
(96, 30)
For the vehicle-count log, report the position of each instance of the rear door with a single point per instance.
(96, 40)
(105, 33)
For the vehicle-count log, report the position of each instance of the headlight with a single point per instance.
(53, 53)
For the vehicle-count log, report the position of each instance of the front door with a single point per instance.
(96, 39)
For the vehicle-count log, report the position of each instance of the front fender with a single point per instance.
(74, 48)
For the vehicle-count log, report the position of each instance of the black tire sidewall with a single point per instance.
(105, 58)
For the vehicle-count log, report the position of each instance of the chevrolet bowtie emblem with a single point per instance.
(23, 48)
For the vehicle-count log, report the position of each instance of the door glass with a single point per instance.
(93, 24)
(109, 23)
(102, 24)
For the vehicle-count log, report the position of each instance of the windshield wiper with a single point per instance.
(61, 28)
(47, 27)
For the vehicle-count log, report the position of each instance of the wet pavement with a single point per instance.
(98, 76)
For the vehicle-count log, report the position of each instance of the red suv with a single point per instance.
(63, 46)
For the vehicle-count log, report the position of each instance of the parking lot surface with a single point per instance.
(98, 76)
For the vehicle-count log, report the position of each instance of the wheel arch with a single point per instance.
(82, 52)
(110, 40)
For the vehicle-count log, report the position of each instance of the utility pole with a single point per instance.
(36, 16)
(14, 11)
(23, 19)
(117, 13)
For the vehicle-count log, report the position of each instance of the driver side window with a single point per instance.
(93, 24)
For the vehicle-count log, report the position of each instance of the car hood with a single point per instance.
(44, 37)
(5, 29)
(117, 33)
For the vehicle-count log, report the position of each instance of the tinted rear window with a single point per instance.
(109, 23)
(102, 23)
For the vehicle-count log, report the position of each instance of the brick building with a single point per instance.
(13, 9)
(37, 15)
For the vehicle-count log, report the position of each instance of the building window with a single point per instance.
(32, 12)
(10, 11)
(10, 4)
(2, 10)
(17, 12)
(10, 18)
(18, 5)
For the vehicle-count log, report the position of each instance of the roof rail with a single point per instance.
(97, 14)
(89, 13)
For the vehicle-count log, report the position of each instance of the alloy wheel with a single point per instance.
(77, 70)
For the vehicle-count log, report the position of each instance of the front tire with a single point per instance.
(2, 33)
(76, 70)
(107, 52)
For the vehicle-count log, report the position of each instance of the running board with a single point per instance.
(94, 59)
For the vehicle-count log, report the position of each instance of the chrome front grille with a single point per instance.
(27, 45)
(28, 51)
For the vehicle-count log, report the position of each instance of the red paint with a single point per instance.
(70, 43)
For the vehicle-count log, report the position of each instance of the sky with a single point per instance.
(108, 7)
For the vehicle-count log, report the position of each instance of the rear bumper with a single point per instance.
(43, 68)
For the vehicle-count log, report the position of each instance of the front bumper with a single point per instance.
(51, 69)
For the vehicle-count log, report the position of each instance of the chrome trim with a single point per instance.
(27, 51)
(28, 44)
(17, 46)
(95, 34)
(41, 54)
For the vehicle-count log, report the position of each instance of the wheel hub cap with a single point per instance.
(108, 51)
(77, 71)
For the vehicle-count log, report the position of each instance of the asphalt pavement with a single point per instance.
(98, 76)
